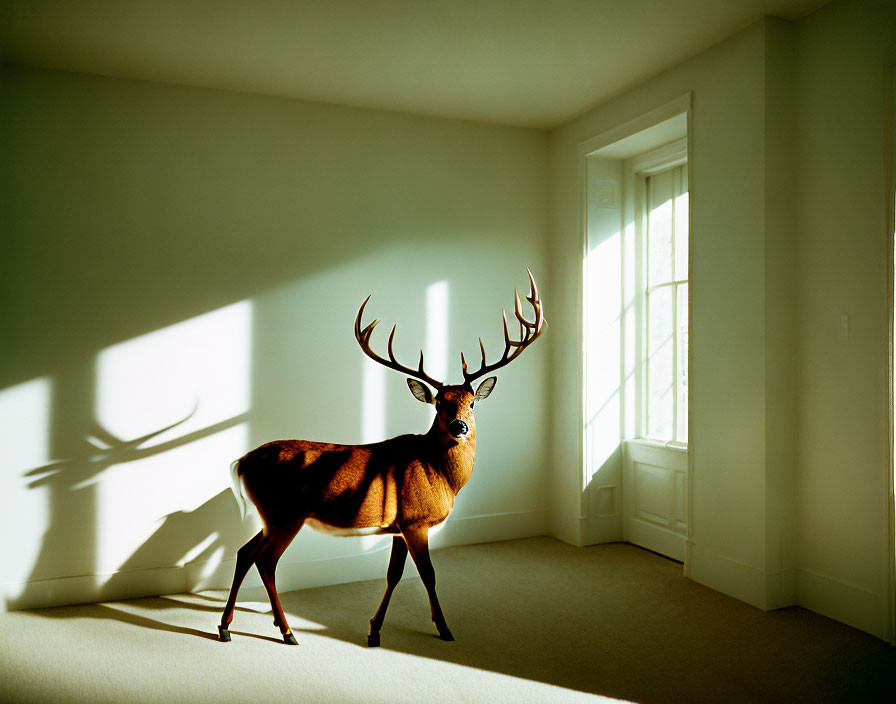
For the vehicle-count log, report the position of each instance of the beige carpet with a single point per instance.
(535, 620)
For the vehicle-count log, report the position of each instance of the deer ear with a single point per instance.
(485, 388)
(421, 391)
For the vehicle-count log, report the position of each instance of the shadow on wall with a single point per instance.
(190, 244)
(140, 503)
(105, 499)
(69, 545)
(188, 538)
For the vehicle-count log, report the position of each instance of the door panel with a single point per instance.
(654, 491)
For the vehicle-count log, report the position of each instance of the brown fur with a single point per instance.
(403, 486)
(407, 481)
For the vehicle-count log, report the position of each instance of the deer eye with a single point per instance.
(471, 405)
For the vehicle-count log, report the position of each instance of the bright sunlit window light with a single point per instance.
(372, 543)
(208, 568)
(437, 330)
(151, 381)
(191, 381)
(193, 553)
(603, 304)
(373, 401)
(24, 424)
(666, 304)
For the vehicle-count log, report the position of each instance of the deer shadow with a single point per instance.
(70, 538)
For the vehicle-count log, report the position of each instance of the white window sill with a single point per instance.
(671, 445)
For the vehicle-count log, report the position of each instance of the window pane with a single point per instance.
(660, 363)
(681, 223)
(682, 375)
(659, 228)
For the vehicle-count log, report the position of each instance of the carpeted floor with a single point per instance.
(535, 620)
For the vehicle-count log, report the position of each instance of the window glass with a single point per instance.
(659, 229)
(681, 224)
(660, 362)
(665, 305)
(682, 377)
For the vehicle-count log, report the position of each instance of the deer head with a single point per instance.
(454, 402)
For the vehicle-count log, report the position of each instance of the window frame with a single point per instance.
(636, 171)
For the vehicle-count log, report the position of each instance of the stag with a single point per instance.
(401, 487)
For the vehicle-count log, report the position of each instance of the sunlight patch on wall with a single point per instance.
(207, 568)
(373, 401)
(196, 551)
(437, 330)
(172, 404)
(372, 543)
(25, 432)
(603, 274)
(151, 381)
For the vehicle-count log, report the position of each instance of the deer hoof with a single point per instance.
(223, 634)
(290, 639)
(373, 640)
(445, 634)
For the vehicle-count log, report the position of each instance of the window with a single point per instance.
(665, 305)
(659, 180)
(635, 297)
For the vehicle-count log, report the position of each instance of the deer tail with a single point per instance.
(237, 487)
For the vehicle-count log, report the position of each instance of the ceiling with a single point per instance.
(532, 63)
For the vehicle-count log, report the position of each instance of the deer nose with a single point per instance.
(457, 428)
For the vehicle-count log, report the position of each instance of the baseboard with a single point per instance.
(86, 589)
(602, 529)
(781, 589)
(568, 528)
(764, 589)
(769, 590)
(463, 530)
(725, 575)
(490, 528)
(844, 602)
(302, 574)
(653, 537)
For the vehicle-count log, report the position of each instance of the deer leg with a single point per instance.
(393, 577)
(245, 557)
(418, 545)
(266, 562)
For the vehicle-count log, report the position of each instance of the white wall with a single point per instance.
(164, 245)
(845, 54)
(789, 422)
(726, 434)
(602, 344)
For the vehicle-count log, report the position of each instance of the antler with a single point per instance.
(363, 338)
(528, 332)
